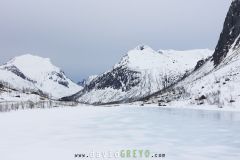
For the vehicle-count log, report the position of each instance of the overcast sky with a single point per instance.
(86, 37)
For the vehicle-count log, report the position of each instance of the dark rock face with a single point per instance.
(64, 83)
(1, 85)
(119, 78)
(60, 78)
(16, 71)
(230, 33)
(199, 64)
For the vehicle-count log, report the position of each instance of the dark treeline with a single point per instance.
(21, 105)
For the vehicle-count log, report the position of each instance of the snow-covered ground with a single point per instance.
(60, 133)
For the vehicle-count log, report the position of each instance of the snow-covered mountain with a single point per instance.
(36, 74)
(217, 80)
(141, 72)
(229, 38)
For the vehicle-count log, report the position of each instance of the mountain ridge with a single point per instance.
(139, 73)
(37, 74)
(215, 81)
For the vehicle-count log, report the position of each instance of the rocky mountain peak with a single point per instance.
(229, 38)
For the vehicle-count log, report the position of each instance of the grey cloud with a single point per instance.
(87, 37)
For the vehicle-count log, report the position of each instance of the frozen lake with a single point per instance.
(60, 133)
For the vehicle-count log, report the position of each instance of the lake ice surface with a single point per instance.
(59, 133)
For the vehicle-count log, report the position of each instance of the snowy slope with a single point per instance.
(208, 85)
(13, 81)
(141, 72)
(217, 80)
(36, 73)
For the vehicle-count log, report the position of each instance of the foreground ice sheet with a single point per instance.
(58, 134)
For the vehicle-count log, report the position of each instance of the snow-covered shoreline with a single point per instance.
(179, 106)
(172, 105)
